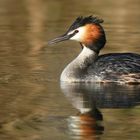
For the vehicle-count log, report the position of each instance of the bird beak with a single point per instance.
(60, 39)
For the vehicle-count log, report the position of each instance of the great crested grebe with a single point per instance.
(88, 66)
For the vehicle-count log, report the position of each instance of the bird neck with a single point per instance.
(77, 69)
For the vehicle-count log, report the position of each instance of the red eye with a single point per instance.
(76, 31)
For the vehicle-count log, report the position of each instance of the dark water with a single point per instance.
(33, 103)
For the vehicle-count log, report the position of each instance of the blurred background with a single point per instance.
(30, 96)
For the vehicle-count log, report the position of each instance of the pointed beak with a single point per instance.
(60, 39)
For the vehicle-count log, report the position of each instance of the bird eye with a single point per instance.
(76, 31)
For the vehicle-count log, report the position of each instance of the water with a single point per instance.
(33, 103)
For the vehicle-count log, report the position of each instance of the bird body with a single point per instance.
(89, 66)
(117, 67)
(113, 67)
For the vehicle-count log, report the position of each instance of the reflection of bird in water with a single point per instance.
(87, 98)
(87, 124)
(103, 95)
(88, 66)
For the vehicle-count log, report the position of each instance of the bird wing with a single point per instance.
(117, 66)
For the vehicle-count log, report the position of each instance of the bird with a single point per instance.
(89, 66)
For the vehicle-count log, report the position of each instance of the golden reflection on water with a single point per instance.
(36, 11)
(31, 103)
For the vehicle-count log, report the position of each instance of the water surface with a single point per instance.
(33, 103)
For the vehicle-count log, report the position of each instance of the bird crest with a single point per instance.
(81, 21)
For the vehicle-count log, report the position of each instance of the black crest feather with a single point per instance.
(81, 21)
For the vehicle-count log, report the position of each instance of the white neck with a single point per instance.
(77, 69)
